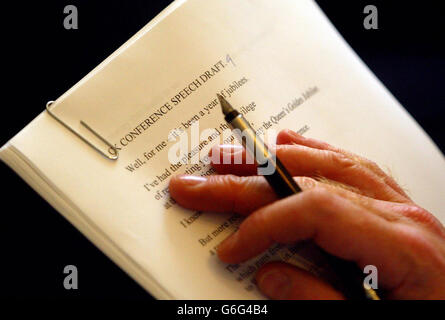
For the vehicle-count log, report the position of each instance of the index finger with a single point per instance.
(337, 225)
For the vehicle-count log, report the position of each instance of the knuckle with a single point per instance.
(225, 184)
(341, 161)
(234, 190)
(226, 181)
(418, 214)
(321, 204)
(231, 183)
(372, 165)
(319, 197)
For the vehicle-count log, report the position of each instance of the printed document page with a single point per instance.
(282, 64)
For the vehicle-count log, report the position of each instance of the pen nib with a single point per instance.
(225, 105)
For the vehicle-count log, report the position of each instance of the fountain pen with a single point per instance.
(348, 277)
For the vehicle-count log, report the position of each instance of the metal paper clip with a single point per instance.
(108, 156)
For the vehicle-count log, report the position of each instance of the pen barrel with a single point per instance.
(284, 184)
(269, 165)
(343, 275)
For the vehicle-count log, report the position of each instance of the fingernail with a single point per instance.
(275, 284)
(192, 180)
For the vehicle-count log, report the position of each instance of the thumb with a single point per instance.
(281, 281)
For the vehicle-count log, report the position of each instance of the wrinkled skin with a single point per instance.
(349, 207)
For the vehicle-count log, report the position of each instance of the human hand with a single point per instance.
(349, 207)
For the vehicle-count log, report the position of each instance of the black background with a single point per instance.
(41, 60)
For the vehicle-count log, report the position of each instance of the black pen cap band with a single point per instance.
(232, 115)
